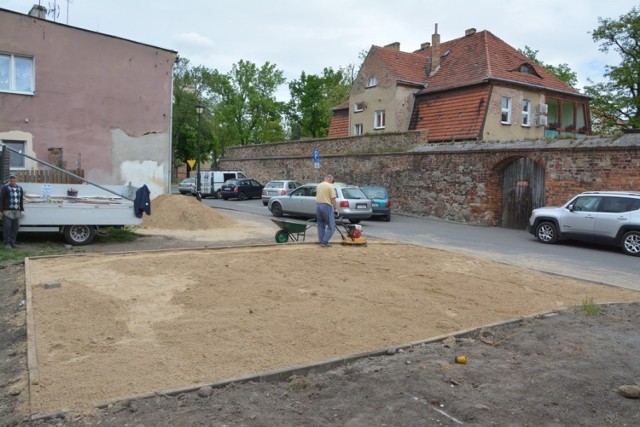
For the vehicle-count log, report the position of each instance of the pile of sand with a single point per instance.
(177, 212)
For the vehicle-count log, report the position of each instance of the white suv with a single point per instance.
(608, 217)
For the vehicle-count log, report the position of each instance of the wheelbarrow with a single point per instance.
(292, 230)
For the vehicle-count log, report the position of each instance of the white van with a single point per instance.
(211, 181)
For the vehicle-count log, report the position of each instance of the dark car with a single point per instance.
(380, 201)
(241, 189)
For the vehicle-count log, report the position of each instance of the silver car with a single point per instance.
(352, 203)
(278, 187)
(187, 186)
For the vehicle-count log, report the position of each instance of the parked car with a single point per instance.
(352, 203)
(241, 189)
(187, 186)
(211, 182)
(607, 217)
(278, 188)
(380, 201)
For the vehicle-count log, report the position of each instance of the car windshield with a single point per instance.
(274, 184)
(375, 193)
(353, 193)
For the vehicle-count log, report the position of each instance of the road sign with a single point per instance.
(191, 163)
(316, 156)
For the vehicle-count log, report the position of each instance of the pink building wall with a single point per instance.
(104, 100)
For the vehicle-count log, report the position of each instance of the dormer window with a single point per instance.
(372, 81)
(526, 68)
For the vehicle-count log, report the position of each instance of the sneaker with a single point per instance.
(325, 245)
(8, 246)
(13, 246)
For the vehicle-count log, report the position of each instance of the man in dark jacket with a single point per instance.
(12, 198)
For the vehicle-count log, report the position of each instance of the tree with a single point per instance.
(312, 98)
(246, 110)
(187, 92)
(562, 71)
(616, 103)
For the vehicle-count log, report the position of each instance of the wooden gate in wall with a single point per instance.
(522, 191)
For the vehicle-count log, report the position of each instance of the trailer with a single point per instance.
(77, 211)
(78, 214)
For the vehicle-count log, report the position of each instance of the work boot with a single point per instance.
(8, 246)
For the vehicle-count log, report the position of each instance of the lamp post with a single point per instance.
(199, 109)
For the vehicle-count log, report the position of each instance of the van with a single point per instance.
(211, 181)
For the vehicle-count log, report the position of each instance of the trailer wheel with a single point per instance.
(79, 235)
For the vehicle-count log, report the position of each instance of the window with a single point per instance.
(357, 129)
(505, 117)
(16, 73)
(359, 106)
(17, 161)
(379, 120)
(526, 113)
(586, 203)
(372, 81)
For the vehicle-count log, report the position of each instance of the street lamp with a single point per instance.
(199, 109)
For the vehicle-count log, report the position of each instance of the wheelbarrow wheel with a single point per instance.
(282, 236)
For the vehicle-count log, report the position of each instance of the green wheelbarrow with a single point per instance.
(292, 230)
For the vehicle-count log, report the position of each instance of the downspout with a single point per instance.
(170, 163)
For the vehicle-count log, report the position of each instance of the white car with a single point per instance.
(278, 187)
(607, 217)
(352, 203)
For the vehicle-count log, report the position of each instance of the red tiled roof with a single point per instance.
(404, 66)
(339, 126)
(457, 115)
(481, 57)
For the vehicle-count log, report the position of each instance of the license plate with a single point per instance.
(362, 206)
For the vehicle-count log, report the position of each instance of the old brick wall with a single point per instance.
(460, 182)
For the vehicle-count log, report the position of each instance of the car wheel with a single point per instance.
(631, 243)
(79, 235)
(276, 209)
(355, 221)
(242, 196)
(218, 194)
(282, 236)
(546, 232)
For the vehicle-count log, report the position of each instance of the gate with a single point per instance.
(522, 191)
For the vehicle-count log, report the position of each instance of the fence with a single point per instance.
(51, 176)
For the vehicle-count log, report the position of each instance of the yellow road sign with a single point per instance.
(191, 163)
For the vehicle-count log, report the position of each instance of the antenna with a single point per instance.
(54, 10)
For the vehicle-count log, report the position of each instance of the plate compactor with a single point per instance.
(352, 235)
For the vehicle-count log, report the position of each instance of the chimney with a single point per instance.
(425, 45)
(469, 32)
(395, 46)
(435, 52)
(38, 11)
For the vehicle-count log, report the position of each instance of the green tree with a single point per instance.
(312, 97)
(187, 92)
(245, 108)
(562, 71)
(616, 103)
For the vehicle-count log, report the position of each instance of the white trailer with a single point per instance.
(49, 207)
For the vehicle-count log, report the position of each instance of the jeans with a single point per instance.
(10, 223)
(326, 222)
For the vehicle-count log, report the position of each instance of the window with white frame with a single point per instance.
(372, 81)
(505, 116)
(358, 129)
(17, 161)
(16, 73)
(379, 119)
(358, 107)
(526, 113)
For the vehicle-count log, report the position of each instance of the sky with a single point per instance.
(309, 35)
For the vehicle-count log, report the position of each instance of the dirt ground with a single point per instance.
(152, 332)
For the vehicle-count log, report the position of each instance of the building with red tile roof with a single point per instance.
(476, 87)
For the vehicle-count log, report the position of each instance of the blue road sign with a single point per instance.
(316, 156)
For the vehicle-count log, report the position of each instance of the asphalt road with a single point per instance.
(599, 264)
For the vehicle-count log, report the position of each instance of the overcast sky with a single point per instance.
(308, 35)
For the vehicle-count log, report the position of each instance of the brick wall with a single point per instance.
(458, 182)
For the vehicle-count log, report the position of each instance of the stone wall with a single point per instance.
(460, 182)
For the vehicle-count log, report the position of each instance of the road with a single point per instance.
(599, 264)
